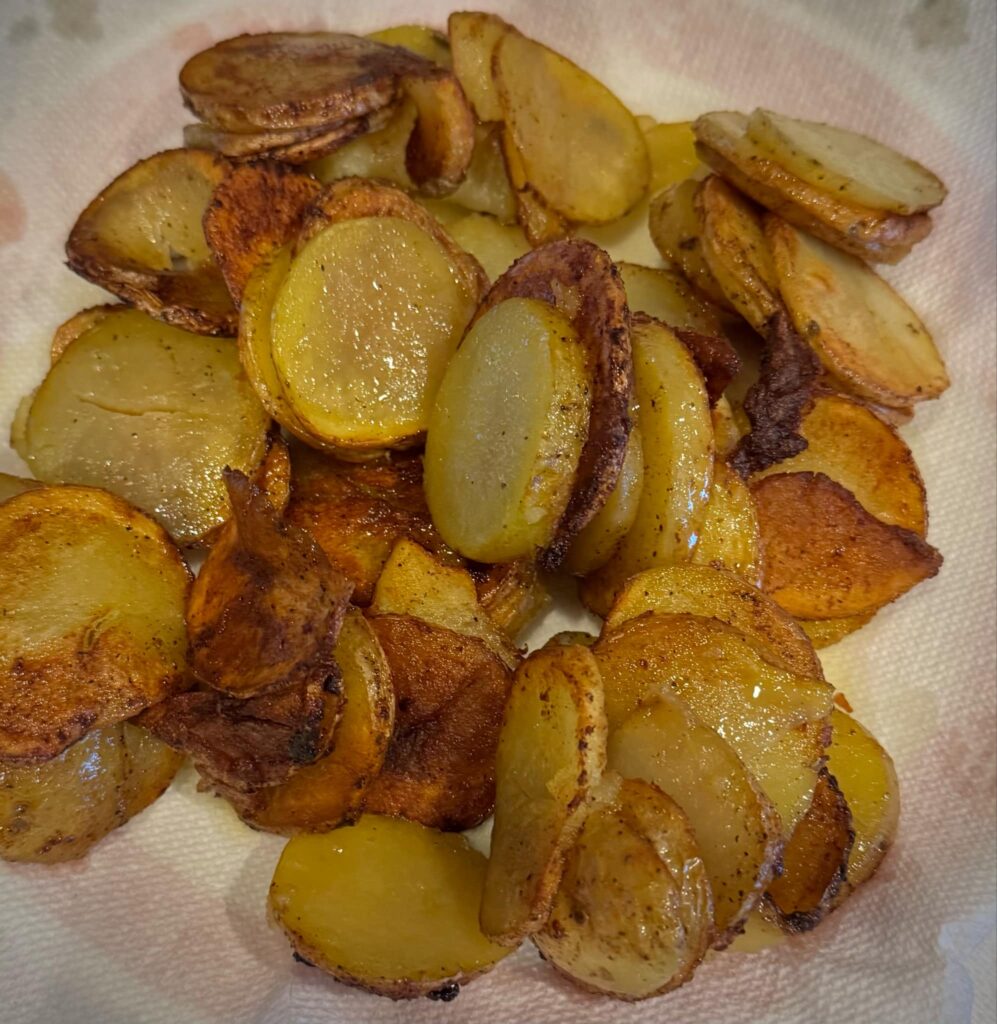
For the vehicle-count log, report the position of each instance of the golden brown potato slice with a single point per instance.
(551, 753)
(79, 323)
(862, 330)
(152, 413)
(512, 593)
(632, 917)
(449, 691)
(92, 630)
(266, 607)
(826, 556)
(737, 830)
(854, 447)
(495, 246)
(58, 810)
(728, 535)
(417, 936)
(845, 163)
(423, 41)
(257, 208)
(11, 485)
(668, 297)
(672, 150)
(825, 632)
(473, 38)
(486, 187)
(142, 239)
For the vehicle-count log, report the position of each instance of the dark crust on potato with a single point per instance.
(777, 402)
(441, 145)
(579, 279)
(716, 358)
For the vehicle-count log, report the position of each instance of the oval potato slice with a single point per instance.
(418, 935)
(473, 38)
(632, 917)
(728, 535)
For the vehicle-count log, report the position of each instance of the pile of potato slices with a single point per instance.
(377, 367)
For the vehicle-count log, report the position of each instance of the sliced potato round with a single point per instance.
(551, 753)
(415, 936)
(495, 246)
(93, 628)
(668, 297)
(728, 535)
(852, 166)
(79, 323)
(152, 413)
(632, 917)
(423, 41)
(11, 485)
(737, 830)
(862, 330)
(825, 632)
(473, 38)
(551, 108)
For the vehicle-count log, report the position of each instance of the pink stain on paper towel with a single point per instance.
(13, 216)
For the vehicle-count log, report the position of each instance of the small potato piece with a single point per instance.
(92, 630)
(423, 41)
(473, 38)
(415, 936)
(551, 753)
(142, 239)
(152, 413)
(79, 323)
(826, 556)
(736, 828)
(728, 535)
(672, 150)
(495, 246)
(58, 810)
(862, 330)
(553, 108)
(726, 431)
(632, 917)
(825, 632)
(668, 297)
(486, 187)
(512, 593)
(440, 148)
(11, 485)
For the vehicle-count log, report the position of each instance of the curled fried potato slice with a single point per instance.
(423, 41)
(668, 297)
(11, 485)
(473, 38)
(728, 536)
(737, 830)
(58, 810)
(141, 238)
(92, 630)
(825, 632)
(551, 752)
(150, 412)
(418, 935)
(632, 916)
(862, 330)
(826, 556)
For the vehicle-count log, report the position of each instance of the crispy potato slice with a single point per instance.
(552, 107)
(58, 810)
(826, 556)
(632, 917)
(854, 447)
(512, 593)
(266, 607)
(668, 297)
(423, 41)
(845, 163)
(141, 238)
(862, 330)
(79, 323)
(152, 413)
(486, 187)
(92, 630)
(815, 860)
(774, 720)
(825, 632)
(495, 246)
(291, 145)
(722, 143)
(672, 151)
(736, 827)
(728, 536)
(450, 690)
(551, 753)
(11, 485)
(417, 936)
(256, 209)
(473, 38)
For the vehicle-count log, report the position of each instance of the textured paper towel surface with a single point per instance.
(165, 920)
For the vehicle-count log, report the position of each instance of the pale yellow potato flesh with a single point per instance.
(728, 535)
(825, 632)
(668, 297)
(473, 38)
(426, 42)
(486, 187)
(404, 939)
(379, 154)
(726, 431)
(672, 150)
(494, 245)
(507, 431)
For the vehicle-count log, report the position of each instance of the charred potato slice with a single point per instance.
(632, 916)
(92, 630)
(473, 38)
(728, 535)
(152, 413)
(142, 239)
(11, 485)
(551, 752)
(418, 935)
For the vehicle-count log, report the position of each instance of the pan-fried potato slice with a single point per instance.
(774, 720)
(416, 936)
(473, 38)
(507, 432)
(11, 485)
(825, 632)
(826, 556)
(293, 145)
(728, 535)
(815, 859)
(722, 143)
(58, 810)
(850, 165)
(551, 754)
(736, 828)
(854, 447)
(552, 107)
(266, 607)
(862, 330)
(141, 238)
(152, 413)
(450, 690)
(256, 209)
(423, 41)
(668, 297)
(495, 246)
(92, 630)
(632, 917)
(672, 150)
(512, 593)
(486, 187)
(718, 594)
(79, 323)
(540, 222)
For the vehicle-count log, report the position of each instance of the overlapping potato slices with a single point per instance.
(473, 38)
(729, 536)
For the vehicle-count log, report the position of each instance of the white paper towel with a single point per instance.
(165, 920)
